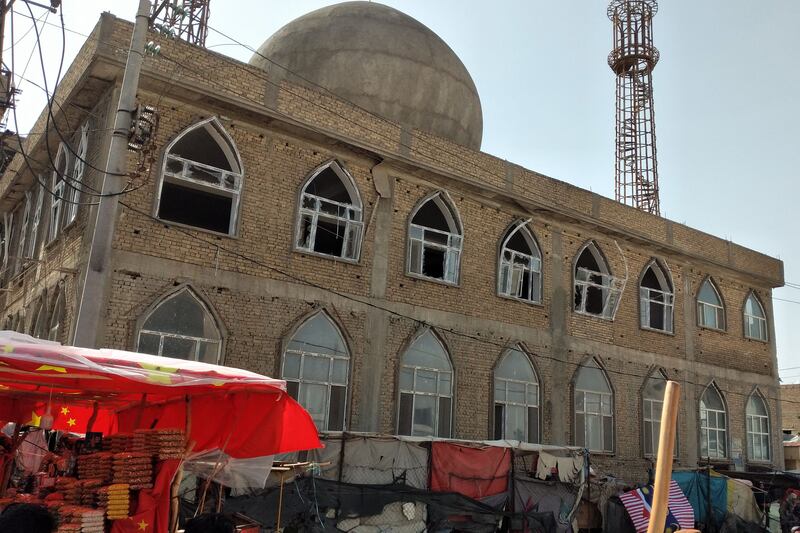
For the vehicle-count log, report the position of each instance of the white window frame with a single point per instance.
(22, 237)
(758, 427)
(502, 383)
(454, 240)
(350, 215)
(706, 429)
(329, 383)
(648, 296)
(584, 279)
(78, 172)
(36, 222)
(604, 400)
(163, 335)
(719, 310)
(58, 184)
(57, 318)
(415, 370)
(229, 183)
(515, 266)
(751, 321)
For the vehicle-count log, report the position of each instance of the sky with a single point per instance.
(727, 102)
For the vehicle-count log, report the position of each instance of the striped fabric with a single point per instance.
(638, 503)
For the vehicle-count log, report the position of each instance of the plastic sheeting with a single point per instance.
(234, 473)
(742, 503)
(545, 497)
(376, 461)
(695, 486)
(474, 472)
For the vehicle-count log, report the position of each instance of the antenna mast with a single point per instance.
(633, 59)
(184, 19)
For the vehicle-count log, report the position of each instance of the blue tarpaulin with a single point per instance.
(695, 486)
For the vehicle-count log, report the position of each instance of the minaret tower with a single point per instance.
(633, 59)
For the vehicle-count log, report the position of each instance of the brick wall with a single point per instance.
(790, 408)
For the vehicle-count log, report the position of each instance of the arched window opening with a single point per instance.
(22, 236)
(713, 424)
(755, 319)
(330, 216)
(202, 179)
(656, 302)
(78, 171)
(710, 311)
(520, 266)
(426, 389)
(57, 318)
(316, 367)
(181, 326)
(32, 250)
(516, 398)
(39, 321)
(596, 290)
(58, 184)
(434, 240)
(758, 438)
(652, 405)
(5, 245)
(594, 409)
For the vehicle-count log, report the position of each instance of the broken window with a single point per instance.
(713, 424)
(516, 398)
(597, 292)
(316, 367)
(57, 318)
(181, 326)
(758, 436)
(656, 299)
(755, 320)
(710, 311)
(434, 240)
(594, 409)
(329, 219)
(58, 184)
(426, 389)
(520, 265)
(201, 179)
(78, 170)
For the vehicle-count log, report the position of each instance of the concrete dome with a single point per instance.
(383, 61)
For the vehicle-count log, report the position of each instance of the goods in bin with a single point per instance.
(95, 466)
(80, 519)
(88, 490)
(117, 498)
(69, 488)
(161, 443)
(118, 443)
(135, 469)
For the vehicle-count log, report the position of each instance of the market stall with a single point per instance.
(101, 436)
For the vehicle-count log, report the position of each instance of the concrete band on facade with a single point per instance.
(284, 132)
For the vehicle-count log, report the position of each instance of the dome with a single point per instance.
(382, 60)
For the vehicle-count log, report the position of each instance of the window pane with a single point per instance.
(316, 368)
(580, 430)
(406, 379)
(594, 430)
(293, 389)
(579, 403)
(415, 259)
(404, 418)
(533, 394)
(608, 433)
(424, 416)
(339, 375)
(182, 314)
(499, 390)
(648, 438)
(445, 387)
(336, 409)
(516, 392)
(499, 418)
(445, 415)
(148, 343)
(313, 398)
(515, 422)
(533, 424)
(208, 352)
(179, 348)
(426, 381)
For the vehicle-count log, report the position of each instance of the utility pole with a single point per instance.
(95, 284)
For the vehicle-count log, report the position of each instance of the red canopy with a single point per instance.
(235, 411)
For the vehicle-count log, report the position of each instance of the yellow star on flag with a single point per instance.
(71, 422)
(159, 374)
(35, 420)
(143, 525)
(64, 410)
(59, 369)
(8, 348)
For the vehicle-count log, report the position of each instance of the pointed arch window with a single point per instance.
(755, 319)
(181, 326)
(38, 326)
(652, 405)
(5, 245)
(22, 236)
(329, 220)
(520, 265)
(435, 240)
(713, 424)
(202, 179)
(516, 398)
(710, 311)
(316, 367)
(596, 290)
(78, 171)
(758, 437)
(57, 317)
(426, 389)
(656, 299)
(32, 248)
(594, 409)
(58, 184)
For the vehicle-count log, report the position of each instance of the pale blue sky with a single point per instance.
(727, 102)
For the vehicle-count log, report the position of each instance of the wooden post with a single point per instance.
(666, 449)
(176, 483)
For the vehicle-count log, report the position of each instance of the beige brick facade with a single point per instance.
(790, 405)
(260, 288)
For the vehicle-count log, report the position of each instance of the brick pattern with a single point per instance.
(790, 408)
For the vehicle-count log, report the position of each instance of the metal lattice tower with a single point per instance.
(187, 19)
(633, 59)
